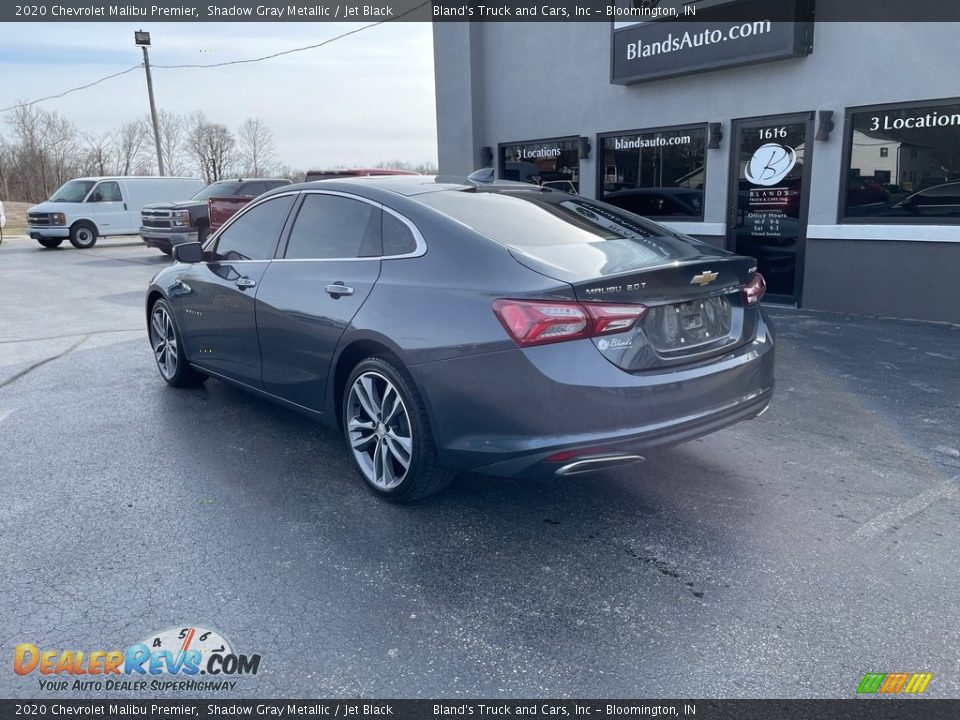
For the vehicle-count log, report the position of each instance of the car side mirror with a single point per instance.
(191, 252)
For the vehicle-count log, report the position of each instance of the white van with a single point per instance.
(87, 208)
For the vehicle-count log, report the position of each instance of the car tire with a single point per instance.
(50, 243)
(397, 458)
(168, 348)
(166, 251)
(83, 236)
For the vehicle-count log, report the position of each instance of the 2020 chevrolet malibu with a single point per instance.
(457, 325)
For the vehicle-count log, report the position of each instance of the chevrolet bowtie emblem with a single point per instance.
(704, 278)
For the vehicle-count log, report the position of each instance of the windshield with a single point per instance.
(220, 189)
(73, 191)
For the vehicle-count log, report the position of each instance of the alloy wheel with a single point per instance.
(379, 429)
(163, 339)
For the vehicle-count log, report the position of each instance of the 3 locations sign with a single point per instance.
(697, 37)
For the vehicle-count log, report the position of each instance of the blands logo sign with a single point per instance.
(894, 683)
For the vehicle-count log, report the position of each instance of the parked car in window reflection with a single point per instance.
(658, 202)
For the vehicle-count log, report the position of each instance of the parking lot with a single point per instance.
(785, 556)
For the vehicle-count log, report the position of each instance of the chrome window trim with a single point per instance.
(421, 243)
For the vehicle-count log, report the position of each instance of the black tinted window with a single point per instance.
(397, 237)
(904, 164)
(254, 189)
(218, 189)
(253, 235)
(331, 226)
(636, 165)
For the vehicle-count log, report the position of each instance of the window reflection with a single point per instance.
(904, 164)
(656, 174)
(553, 164)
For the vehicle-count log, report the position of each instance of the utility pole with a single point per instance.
(142, 39)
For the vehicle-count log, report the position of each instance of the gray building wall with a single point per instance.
(506, 82)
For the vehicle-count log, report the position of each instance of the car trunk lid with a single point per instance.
(691, 291)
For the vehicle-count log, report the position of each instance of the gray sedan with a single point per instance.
(453, 325)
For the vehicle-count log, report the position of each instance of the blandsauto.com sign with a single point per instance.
(738, 32)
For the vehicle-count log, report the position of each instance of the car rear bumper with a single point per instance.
(41, 232)
(166, 239)
(505, 413)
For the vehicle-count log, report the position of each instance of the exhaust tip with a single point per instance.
(601, 462)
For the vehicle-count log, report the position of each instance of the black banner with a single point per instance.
(712, 39)
(854, 709)
(462, 10)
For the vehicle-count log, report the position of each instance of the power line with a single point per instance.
(299, 49)
(221, 64)
(72, 90)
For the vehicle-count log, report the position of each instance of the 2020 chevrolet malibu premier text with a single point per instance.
(493, 327)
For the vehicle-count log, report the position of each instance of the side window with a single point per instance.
(106, 192)
(255, 189)
(397, 237)
(332, 226)
(253, 235)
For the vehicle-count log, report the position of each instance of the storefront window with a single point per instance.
(550, 163)
(655, 173)
(903, 164)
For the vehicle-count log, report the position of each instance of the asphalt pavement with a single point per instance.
(783, 557)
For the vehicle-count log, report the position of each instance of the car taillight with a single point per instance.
(536, 322)
(754, 289)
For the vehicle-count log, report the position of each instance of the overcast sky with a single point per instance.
(359, 100)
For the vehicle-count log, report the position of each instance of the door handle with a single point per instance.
(338, 289)
(245, 282)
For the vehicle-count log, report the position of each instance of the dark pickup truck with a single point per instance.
(163, 225)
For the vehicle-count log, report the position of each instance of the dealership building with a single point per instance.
(828, 150)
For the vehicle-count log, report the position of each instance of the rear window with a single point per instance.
(541, 219)
(220, 189)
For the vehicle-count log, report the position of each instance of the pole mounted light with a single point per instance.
(142, 40)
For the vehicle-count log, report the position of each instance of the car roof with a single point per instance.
(407, 185)
(95, 178)
(251, 179)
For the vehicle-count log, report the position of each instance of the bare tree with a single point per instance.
(258, 154)
(173, 129)
(98, 154)
(395, 165)
(45, 151)
(212, 146)
(426, 168)
(131, 146)
(294, 174)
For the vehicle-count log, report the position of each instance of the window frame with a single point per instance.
(599, 169)
(214, 239)
(502, 161)
(847, 153)
(281, 250)
(96, 188)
